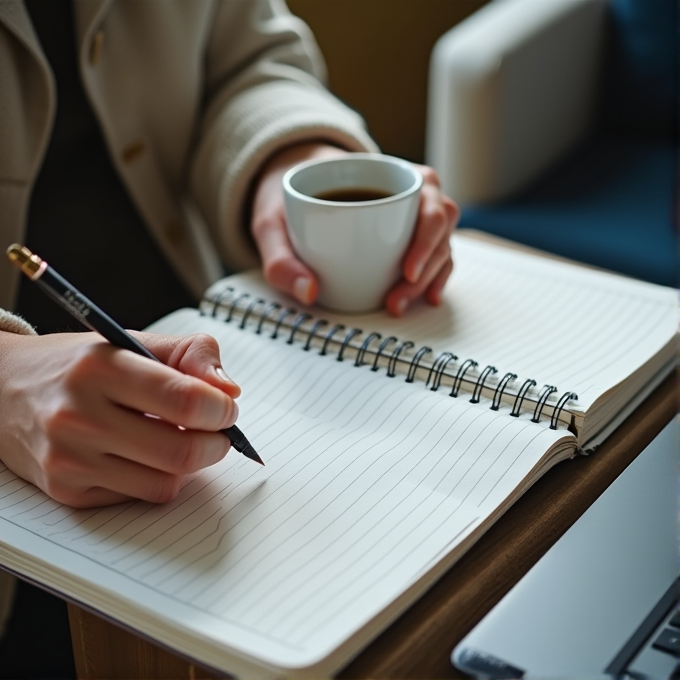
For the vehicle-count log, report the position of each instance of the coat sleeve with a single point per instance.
(264, 91)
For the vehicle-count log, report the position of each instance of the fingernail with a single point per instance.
(401, 306)
(222, 375)
(302, 289)
(417, 271)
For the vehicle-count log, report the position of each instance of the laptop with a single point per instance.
(604, 601)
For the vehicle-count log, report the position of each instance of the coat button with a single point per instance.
(134, 150)
(96, 48)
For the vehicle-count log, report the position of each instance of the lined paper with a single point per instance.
(581, 330)
(369, 483)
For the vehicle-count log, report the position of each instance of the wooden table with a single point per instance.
(419, 643)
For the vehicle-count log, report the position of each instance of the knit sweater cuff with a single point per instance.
(12, 323)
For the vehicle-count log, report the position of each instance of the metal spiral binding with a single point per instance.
(383, 344)
(218, 299)
(312, 333)
(234, 304)
(296, 324)
(498, 394)
(567, 396)
(479, 386)
(329, 335)
(415, 361)
(249, 311)
(392, 365)
(436, 371)
(438, 368)
(517, 406)
(542, 399)
(348, 336)
(464, 368)
(285, 313)
(364, 346)
(265, 315)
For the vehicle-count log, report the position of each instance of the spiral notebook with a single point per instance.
(390, 445)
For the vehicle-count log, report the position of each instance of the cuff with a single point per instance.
(11, 323)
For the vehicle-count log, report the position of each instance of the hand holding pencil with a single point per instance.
(77, 424)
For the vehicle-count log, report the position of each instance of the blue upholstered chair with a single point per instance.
(555, 123)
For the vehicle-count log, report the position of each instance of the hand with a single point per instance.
(76, 415)
(427, 264)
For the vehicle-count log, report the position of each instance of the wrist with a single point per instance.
(289, 156)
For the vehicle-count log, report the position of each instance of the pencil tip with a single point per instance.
(252, 454)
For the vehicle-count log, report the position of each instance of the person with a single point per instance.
(142, 147)
(221, 114)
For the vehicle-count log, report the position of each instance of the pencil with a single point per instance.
(83, 309)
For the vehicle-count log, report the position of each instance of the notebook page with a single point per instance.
(368, 483)
(578, 329)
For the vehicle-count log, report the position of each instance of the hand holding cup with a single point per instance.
(351, 219)
(426, 265)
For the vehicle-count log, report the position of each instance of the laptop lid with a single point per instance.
(577, 607)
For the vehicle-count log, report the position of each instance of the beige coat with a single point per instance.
(192, 96)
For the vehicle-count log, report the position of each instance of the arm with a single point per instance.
(264, 92)
(267, 111)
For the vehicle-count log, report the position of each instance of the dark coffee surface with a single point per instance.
(353, 194)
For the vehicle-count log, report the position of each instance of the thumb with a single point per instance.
(281, 266)
(196, 355)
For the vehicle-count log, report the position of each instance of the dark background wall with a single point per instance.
(377, 53)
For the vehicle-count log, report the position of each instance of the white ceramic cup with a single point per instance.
(355, 248)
